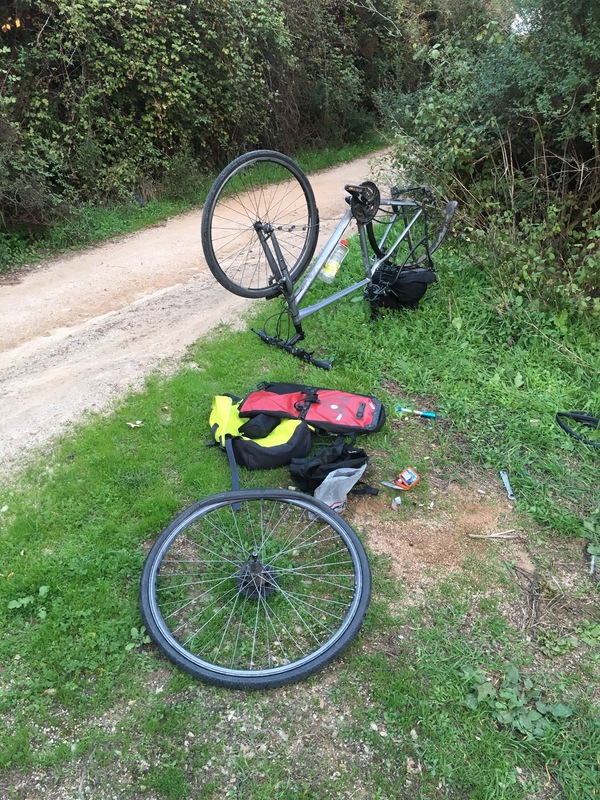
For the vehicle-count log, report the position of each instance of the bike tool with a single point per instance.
(509, 492)
(406, 480)
(428, 414)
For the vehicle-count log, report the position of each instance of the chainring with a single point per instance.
(365, 212)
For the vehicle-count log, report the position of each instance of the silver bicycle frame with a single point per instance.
(298, 314)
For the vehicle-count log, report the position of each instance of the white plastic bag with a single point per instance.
(335, 488)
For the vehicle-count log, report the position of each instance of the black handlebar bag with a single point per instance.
(309, 473)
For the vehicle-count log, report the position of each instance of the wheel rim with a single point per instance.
(258, 591)
(264, 194)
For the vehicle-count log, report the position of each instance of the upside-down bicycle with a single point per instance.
(260, 226)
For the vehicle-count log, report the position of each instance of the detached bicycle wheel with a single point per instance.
(261, 189)
(255, 588)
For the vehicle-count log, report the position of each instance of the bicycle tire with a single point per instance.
(267, 187)
(255, 589)
(426, 234)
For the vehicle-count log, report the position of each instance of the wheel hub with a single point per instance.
(256, 580)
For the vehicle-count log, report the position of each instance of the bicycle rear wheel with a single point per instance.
(255, 588)
(265, 188)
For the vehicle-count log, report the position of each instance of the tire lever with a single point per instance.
(509, 492)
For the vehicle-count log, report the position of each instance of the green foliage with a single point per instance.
(99, 101)
(181, 188)
(514, 701)
(591, 526)
(139, 637)
(347, 51)
(23, 602)
(464, 729)
(507, 120)
(108, 93)
(499, 367)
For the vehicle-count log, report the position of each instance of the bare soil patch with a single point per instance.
(428, 542)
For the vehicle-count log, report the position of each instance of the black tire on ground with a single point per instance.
(255, 588)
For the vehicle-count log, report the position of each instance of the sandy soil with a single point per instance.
(79, 331)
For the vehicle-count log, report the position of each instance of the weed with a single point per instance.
(514, 701)
(139, 637)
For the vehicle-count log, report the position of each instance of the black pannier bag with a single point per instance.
(404, 289)
(309, 473)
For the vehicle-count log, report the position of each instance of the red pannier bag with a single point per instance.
(330, 410)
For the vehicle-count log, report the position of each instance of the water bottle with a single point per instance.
(334, 262)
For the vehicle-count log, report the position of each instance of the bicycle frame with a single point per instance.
(293, 296)
(307, 281)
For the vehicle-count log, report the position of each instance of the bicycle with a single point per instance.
(260, 226)
(256, 588)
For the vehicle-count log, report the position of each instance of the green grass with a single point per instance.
(435, 698)
(91, 224)
(421, 702)
(498, 373)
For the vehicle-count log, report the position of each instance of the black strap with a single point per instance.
(364, 488)
(583, 418)
(310, 396)
(214, 441)
(235, 475)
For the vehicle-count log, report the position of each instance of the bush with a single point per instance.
(508, 122)
(101, 99)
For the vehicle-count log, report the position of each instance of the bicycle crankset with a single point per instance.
(364, 201)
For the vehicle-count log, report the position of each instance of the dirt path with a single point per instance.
(79, 331)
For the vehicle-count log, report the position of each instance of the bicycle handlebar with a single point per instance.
(320, 363)
(303, 355)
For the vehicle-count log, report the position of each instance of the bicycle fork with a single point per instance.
(281, 275)
(266, 234)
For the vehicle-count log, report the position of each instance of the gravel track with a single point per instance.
(80, 331)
